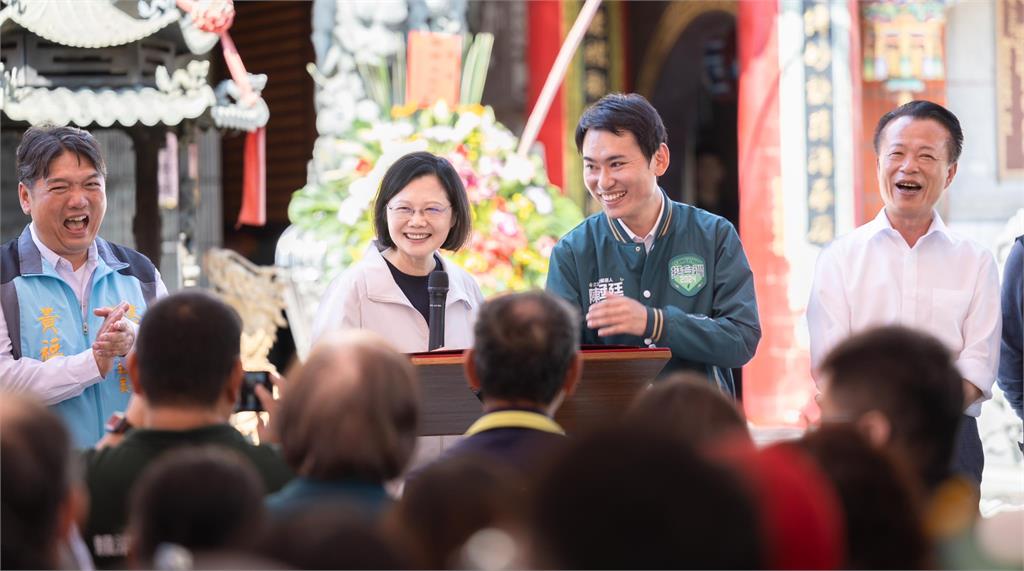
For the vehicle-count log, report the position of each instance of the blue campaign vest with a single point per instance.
(44, 320)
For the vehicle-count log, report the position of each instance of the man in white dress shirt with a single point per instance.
(906, 267)
(68, 298)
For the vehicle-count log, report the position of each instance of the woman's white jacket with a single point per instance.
(365, 296)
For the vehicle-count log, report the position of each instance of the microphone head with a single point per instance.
(437, 281)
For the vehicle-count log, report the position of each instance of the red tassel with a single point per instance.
(254, 180)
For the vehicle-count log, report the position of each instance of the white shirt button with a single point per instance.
(638, 248)
(647, 341)
(647, 293)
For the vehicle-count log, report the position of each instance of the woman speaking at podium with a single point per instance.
(421, 207)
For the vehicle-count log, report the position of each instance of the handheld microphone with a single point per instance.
(437, 291)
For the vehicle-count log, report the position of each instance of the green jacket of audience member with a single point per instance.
(110, 474)
(695, 281)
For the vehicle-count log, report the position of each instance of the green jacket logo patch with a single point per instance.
(687, 274)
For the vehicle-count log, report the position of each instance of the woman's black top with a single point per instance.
(415, 287)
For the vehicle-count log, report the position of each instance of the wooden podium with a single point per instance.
(611, 378)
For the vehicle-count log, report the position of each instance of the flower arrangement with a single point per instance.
(517, 214)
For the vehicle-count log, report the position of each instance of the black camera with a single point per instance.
(247, 400)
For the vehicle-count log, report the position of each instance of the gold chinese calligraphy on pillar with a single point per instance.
(597, 70)
(817, 61)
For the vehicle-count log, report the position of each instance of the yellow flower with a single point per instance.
(400, 111)
(474, 108)
(523, 207)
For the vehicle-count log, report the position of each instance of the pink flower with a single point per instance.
(478, 188)
(506, 223)
(544, 245)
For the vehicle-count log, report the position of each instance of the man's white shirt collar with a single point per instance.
(881, 224)
(648, 240)
(54, 258)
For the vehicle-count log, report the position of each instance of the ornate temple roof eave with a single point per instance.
(239, 118)
(94, 25)
(128, 107)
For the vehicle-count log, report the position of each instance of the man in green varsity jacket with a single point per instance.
(647, 271)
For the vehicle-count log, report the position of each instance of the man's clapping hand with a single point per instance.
(115, 338)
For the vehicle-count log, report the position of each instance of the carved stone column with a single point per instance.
(146, 224)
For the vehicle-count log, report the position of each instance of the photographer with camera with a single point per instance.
(187, 370)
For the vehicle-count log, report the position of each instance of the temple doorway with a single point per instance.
(695, 90)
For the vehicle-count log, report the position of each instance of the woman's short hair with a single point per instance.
(352, 411)
(409, 168)
(686, 404)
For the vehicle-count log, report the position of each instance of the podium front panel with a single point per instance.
(448, 404)
(611, 379)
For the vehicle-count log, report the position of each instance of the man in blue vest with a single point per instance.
(648, 271)
(69, 300)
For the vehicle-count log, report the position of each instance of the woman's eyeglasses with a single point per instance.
(430, 212)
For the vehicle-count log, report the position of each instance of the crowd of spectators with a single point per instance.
(675, 481)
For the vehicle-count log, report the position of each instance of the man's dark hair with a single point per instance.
(468, 493)
(187, 346)
(686, 405)
(618, 113)
(336, 535)
(524, 344)
(41, 144)
(207, 498)
(908, 376)
(409, 168)
(36, 480)
(884, 529)
(638, 498)
(921, 109)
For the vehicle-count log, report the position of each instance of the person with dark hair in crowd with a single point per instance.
(68, 297)
(524, 363)
(421, 208)
(203, 499)
(883, 517)
(685, 405)
(901, 388)
(448, 502)
(647, 271)
(799, 515)
(347, 424)
(634, 498)
(1011, 354)
(896, 269)
(40, 500)
(187, 368)
(332, 536)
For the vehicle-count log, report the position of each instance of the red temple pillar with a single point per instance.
(799, 138)
(759, 177)
(545, 19)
